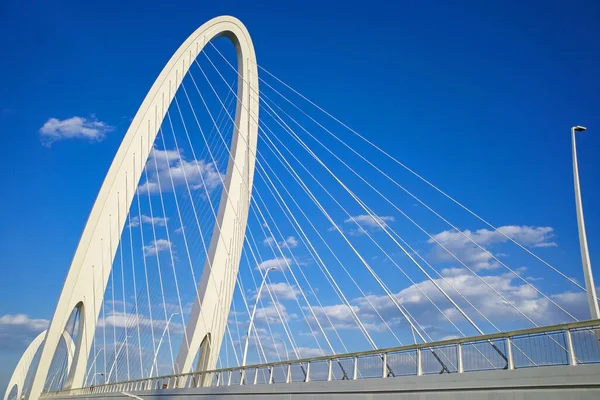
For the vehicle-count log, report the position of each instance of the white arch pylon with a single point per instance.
(22, 369)
(90, 269)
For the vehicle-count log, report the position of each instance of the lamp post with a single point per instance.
(96, 374)
(116, 357)
(253, 312)
(287, 355)
(93, 364)
(585, 255)
(160, 342)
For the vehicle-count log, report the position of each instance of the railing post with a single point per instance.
(385, 371)
(511, 361)
(330, 370)
(218, 378)
(288, 378)
(570, 349)
(271, 370)
(355, 373)
(307, 372)
(461, 367)
(419, 366)
(229, 379)
(242, 376)
(256, 376)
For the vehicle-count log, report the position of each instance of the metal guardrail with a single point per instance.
(564, 344)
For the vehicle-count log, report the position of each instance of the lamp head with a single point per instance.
(579, 128)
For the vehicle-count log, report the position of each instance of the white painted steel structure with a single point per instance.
(89, 273)
(411, 360)
(250, 324)
(563, 345)
(585, 254)
(20, 373)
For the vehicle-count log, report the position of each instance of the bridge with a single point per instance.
(279, 253)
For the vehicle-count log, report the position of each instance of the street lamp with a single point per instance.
(93, 364)
(116, 357)
(253, 312)
(160, 342)
(585, 255)
(287, 355)
(96, 374)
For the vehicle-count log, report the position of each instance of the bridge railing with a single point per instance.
(565, 344)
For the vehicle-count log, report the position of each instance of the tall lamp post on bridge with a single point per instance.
(93, 364)
(116, 358)
(253, 312)
(160, 342)
(585, 255)
(287, 355)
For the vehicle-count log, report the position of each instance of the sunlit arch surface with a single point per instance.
(89, 273)
(22, 369)
(20, 373)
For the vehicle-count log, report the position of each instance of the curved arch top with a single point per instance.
(90, 269)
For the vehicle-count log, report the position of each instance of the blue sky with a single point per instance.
(478, 98)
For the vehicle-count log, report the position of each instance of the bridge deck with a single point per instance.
(564, 358)
(548, 383)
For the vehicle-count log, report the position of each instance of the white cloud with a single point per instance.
(270, 312)
(281, 290)
(73, 128)
(290, 242)
(339, 314)
(460, 245)
(360, 224)
(158, 221)
(277, 262)
(196, 173)
(17, 331)
(156, 246)
(521, 295)
(275, 349)
(269, 241)
(308, 352)
(120, 320)
(368, 221)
